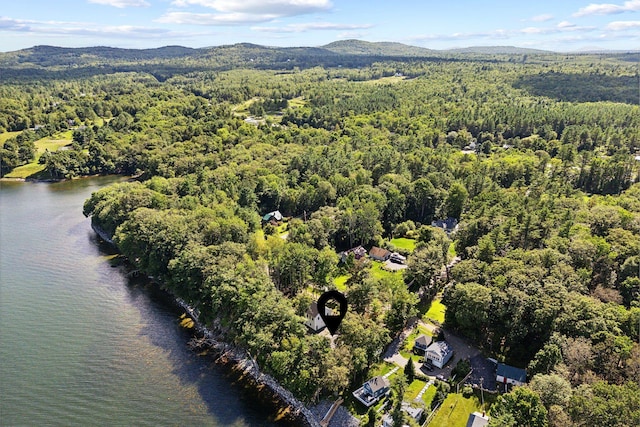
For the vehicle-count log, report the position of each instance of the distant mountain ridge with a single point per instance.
(360, 47)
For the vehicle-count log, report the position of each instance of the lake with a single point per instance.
(81, 343)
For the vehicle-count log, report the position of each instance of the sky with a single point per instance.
(558, 25)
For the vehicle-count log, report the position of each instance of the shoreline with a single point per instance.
(236, 359)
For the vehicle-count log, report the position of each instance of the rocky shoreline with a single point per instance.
(238, 359)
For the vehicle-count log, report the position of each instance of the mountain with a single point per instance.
(499, 50)
(52, 55)
(361, 47)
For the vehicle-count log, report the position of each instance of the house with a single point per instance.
(438, 353)
(421, 344)
(314, 320)
(477, 419)
(506, 374)
(379, 254)
(272, 217)
(358, 253)
(415, 413)
(372, 391)
(397, 258)
(449, 225)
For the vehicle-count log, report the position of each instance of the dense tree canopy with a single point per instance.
(545, 188)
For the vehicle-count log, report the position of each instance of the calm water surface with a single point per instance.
(80, 344)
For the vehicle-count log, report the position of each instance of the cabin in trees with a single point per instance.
(438, 353)
(421, 344)
(506, 374)
(372, 391)
(314, 320)
(379, 254)
(273, 218)
(449, 225)
(358, 253)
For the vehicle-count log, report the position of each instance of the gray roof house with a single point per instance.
(421, 344)
(438, 353)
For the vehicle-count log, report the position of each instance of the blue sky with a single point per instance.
(560, 25)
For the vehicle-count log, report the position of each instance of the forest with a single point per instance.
(536, 155)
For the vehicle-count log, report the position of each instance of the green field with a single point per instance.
(455, 411)
(404, 243)
(379, 273)
(341, 282)
(6, 135)
(52, 144)
(436, 311)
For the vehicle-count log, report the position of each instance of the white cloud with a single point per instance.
(213, 19)
(312, 26)
(84, 29)
(622, 25)
(121, 4)
(608, 8)
(262, 7)
(542, 18)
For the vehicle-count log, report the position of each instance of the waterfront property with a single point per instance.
(372, 391)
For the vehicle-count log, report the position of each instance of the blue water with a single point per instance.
(80, 343)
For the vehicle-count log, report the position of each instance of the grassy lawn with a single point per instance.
(452, 251)
(297, 102)
(384, 80)
(455, 410)
(379, 273)
(404, 243)
(341, 282)
(6, 135)
(51, 144)
(413, 390)
(436, 311)
(428, 396)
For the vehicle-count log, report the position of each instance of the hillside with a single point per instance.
(360, 47)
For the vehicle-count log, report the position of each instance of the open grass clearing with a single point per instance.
(341, 282)
(436, 312)
(380, 273)
(385, 80)
(6, 135)
(42, 145)
(455, 410)
(404, 243)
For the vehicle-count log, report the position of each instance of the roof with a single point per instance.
(313, 310)
(275, 215)
(423, 341)
(440, 347)
(512, 372)
(377, 252)
(447, 224)
(378, 383)
(477, 419)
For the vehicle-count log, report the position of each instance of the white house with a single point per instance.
(314, 320)
(506, 374)
(438, 353)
